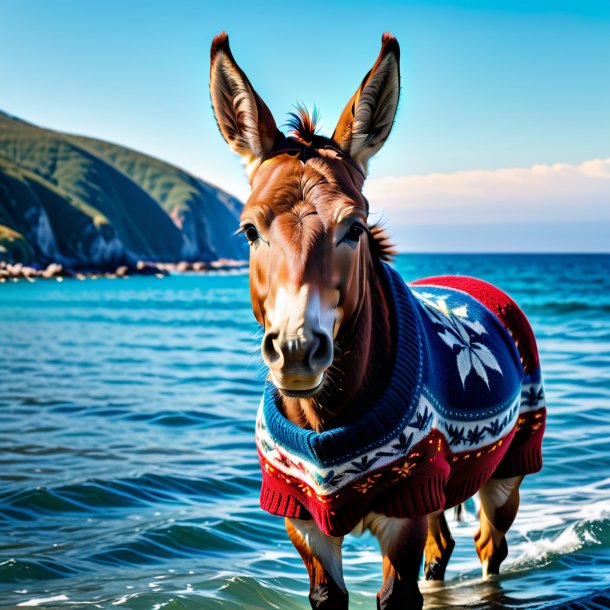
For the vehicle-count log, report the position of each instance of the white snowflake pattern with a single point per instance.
(472, 354)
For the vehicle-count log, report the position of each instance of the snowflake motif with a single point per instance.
(405, 470)
(456, 434)
(422, 420)
(284, 460)
(329, 479)
(403, 443)
(475, 436)
(266, 446)
(362, 466)
(532, 397)
(334, 480)
(366, 485)
(495, 428)
(461, 334)
(306, 489)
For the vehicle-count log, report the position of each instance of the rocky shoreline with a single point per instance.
(54, 271)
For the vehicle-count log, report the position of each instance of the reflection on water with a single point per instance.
(129, 473)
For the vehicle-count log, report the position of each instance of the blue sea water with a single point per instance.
(128, 469)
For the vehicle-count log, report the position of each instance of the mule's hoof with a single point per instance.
(414, 603)
(328, 596)
(435, 571)
(491, 566)
(400, 598)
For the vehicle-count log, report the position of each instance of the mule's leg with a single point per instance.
(321, 555)
(402, 545)
(439, 546)
(499, 506)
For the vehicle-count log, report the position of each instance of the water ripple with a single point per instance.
(130, 476)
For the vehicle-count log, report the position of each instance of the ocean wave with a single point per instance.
(561, 307)
(600, 600)
(20, 570)
(130, 474)
(177, 540)
(576, 537)
(95, 495)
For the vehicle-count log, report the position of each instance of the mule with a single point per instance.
(386, 403)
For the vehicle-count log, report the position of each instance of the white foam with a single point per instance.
(571, 539)
(121, 600)
(36, 601)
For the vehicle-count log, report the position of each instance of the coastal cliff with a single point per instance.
(90, 205)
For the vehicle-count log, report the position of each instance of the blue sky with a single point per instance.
(487, 86)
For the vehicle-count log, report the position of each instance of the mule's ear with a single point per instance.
(243, 118)
(366, 121)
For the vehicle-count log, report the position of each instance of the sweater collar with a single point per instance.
(392, 412)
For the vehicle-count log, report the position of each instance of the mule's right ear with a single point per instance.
(367, 119)
(243, 118)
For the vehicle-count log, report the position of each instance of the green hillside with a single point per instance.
(90, 204)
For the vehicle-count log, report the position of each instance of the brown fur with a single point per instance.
(324, 594)
(304, 220)
(494, 522)
(299, 204)
(439, 546)
(306, 199)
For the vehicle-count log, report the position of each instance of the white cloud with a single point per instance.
(561, 192)
(560, 207)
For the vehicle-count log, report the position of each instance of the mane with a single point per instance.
(381, 244)
(303, 125)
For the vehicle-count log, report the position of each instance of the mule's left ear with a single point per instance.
(245, 121)
(366, 121)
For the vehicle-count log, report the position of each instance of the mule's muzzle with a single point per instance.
(297, 362)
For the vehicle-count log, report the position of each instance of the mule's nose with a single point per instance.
(320, 353)
(271, 354)
(307, 353)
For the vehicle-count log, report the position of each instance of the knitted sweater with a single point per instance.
(463, 403)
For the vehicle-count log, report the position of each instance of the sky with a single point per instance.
(502, 136)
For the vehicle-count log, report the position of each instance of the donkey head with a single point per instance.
(306, 218)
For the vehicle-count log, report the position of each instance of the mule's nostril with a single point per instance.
(270, 352)
(320, 354)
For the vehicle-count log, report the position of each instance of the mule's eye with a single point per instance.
(251, 233)
(354, 232)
